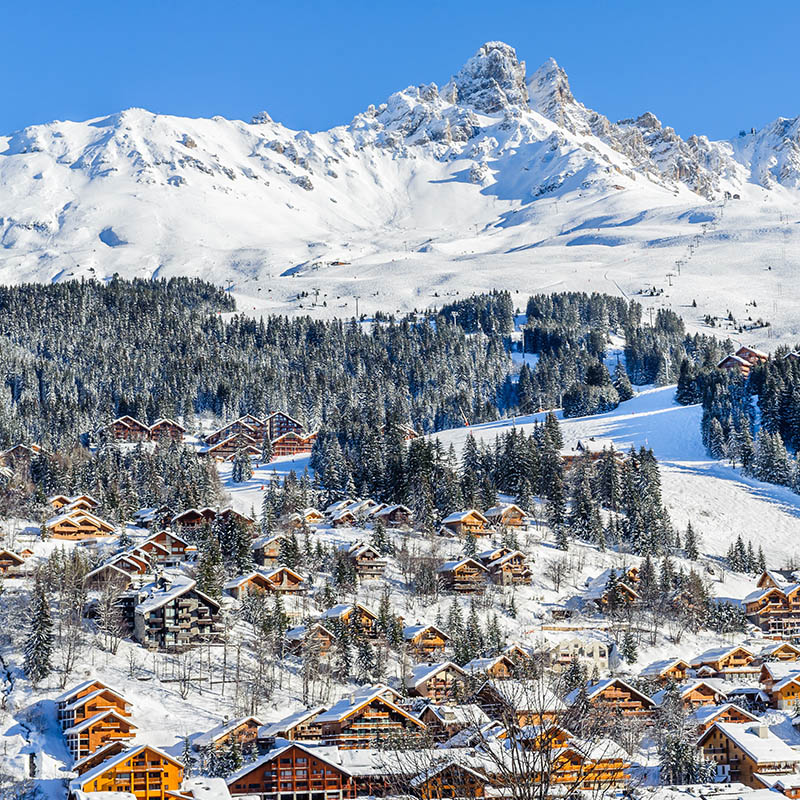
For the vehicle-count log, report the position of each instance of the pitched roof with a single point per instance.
(79, 726)
(97, 771)
(459, 516)
(348, 705)
(224, 728)
(423, 672)
(703, 714)
(290, 721)
(450, 566)
(716, 653)
(768, 748)
(412, 631)
(594, 689)
(660, 667)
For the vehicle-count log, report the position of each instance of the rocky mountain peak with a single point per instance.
(493, 80)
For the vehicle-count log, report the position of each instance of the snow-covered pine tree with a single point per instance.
(39, 641)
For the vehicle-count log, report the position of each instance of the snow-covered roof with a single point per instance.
(449, 566)
(502, 508)
(289, 722)
(89, 776)
(703, 714)
(224, 728)
(460, 516)
(339, 610)
(79, 726)
(366, 694)
(462, 714)
(482, 664)
(524, 695)
(181, 584)
(716, 653)
(660, 667)
(97, 693)
(685, 688)
(387, 511)
(412, 631)
(423, 672)
(594, 689)
(757, 741)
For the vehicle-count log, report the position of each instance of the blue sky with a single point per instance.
(703, 67)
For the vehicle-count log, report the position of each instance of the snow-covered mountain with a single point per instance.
(496, 178)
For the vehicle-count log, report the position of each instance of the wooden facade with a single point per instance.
(292, 444)
(366, 560)
(294, 772)
(242, 730)
(776, 610)
(463, 523)
(11, 563)
(424, 641)
(78, 524)
(614, 694)
(466, 576)
(144, 771)
(506, 515)
(435, 682)
(89, 735)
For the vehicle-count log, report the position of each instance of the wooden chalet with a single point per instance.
(780, 651)
(703, 717)
(344, 519)
(300, 726)
(304, 518)
(314, 637)
(248, 426)
(99, 756)
(560, 654)
(11, 563)
(785, 693)
(226, 449)
(352, 614)
(194, 517)
(450, 779)
(168, 548)
(506, 515)
(242, 730)
(77, 524)
(591, 449)
(435, 682)
(424, 641)
(506, 567)
(232, 515)
(292, 443)
(742, 751)
(366, 560)
(615, 694)
(252, 583)
(462, 523)
(499, 668)
(467, 575)
(285, 580)
(406, 431)
(109, 573)
(279, 424)
(90, 734)
(363, 718)
(526, 702)
(102, 698)
(743, 360)
(127, 429)
(266, 550)
(445, 721)
(143, 771)
(694, 694)
(296, 772)
(726, 662)
(19, 453)
(394, 516)
(86, 706)
(83, 502)
(771, 672)
(775, 609)
(166, 429)
(669, 670)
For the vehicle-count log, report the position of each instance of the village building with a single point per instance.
(518, 702)
(703, 717)
(152, 517)
(776, 610)
(76, 524)
(361, 719)
(742, 751)
(668, 670)
(301, 726)
(126, 429)
(249, 584)
(194, 517)
(249, 428)
(19, 453)
(615, 694)
(506, 567)
(590, 449)
(366, 559)
(305, 518)
(623, 585)
(507, 515)
(785, 693)
(107, 574)
(226, 449)
(296, 772)
(779, 651)
(694, 694)
(279, 423)
(11, 563)
(89, 705)
(444, 721)
(560, 654)
(242, 730)
(292, 443)
(436, 682)
(771, 672)
(284, 580)
(498, 667)
(171, 614)
(344, 519)
(84, 502)
(166, 429)
(743, 360)
(266, 550)
(450, 779)
(394, 516)
(315, 637)
(143, 771)
(352, 614)
(90, 734)
(463, 523)
(424, 641)
(733, 663)
(466, 575)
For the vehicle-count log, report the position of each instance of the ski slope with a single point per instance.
(718, 501)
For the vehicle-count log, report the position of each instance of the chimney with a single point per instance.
(762, 731)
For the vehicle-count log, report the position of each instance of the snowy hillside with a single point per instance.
(495, 179)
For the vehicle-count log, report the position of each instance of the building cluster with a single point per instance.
(130, 429)
(743, 360)
(75, 518)
(287, 437)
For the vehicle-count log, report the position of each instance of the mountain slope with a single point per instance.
(494, 179)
